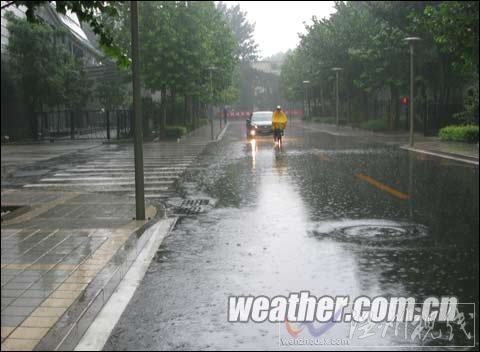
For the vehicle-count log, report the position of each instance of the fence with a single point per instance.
(93, 124)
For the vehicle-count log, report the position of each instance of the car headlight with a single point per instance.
(252, 132)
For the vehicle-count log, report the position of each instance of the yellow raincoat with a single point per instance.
(279, 120)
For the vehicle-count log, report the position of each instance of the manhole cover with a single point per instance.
(11, 211)
(192, 207)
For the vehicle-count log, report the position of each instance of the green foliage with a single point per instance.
(113, 93)
(178, 42)
(175, 131)
(375, 125)
(245, 53)
(467, 133)
(365, 39)
(327, 120)
(90, 12)
(454, 26)
(246, 48)
(203, 122)
(43, 67)
(76, 85)
(292, 74)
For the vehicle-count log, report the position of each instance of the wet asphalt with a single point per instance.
(305, 218)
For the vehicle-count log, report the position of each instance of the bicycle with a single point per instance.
(277, 137)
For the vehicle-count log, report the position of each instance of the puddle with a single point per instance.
(369, 230)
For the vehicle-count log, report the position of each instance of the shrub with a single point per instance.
(464, 118)
(329, 120)
(175, 131)
(375, 125)
(467, 133)
(202, 122)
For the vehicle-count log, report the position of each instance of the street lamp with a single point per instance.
(411, 41)
(337, 70)
(137, 115)
(306, 83)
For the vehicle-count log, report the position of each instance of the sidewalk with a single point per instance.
(62, 256)
(427, 145)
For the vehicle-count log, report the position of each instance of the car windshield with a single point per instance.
(262, 116)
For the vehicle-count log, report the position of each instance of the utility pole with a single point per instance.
(137, 115)
(307, 99)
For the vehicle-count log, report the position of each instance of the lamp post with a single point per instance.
(411, 42)
(306, 83)
(337, 70)
(137, 110)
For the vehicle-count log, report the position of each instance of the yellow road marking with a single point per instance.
(322, 156)
(382, 186)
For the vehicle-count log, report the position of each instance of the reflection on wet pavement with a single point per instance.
(300, 219)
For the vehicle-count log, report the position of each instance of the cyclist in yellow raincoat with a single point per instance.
(279, 119)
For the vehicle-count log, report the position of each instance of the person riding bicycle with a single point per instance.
(279, 122)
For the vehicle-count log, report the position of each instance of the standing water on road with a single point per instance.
(301, 220)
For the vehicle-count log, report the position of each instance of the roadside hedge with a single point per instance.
(328, 120)
(175, 131)
(466, 133)
(375, 125)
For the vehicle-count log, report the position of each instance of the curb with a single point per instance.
(68, 331)
(99, 331)
(455, 157)
(450, 156)
(222, 132)
(332, 133)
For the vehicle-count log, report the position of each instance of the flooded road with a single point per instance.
(326, 214)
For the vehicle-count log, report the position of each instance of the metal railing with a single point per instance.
(89, 124)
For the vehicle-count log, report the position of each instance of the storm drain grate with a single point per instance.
(11, 211)
(192, 207)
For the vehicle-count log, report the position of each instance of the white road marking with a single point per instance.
(94, 184)
(102, 178)
(95, 170)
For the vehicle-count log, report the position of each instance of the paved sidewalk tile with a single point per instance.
(66, 248)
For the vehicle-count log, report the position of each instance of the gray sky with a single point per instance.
(277, 23)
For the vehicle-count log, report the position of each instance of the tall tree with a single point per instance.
(38, 63)
(179, 42)
(87, 12)
(242, 32)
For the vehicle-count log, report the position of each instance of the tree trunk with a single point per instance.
(365, 106)
(395, 106)
(190, 110)
(163, 113)
(185, 110)
(33, 120)
(174, 106)
(72, 124)
(322, 101)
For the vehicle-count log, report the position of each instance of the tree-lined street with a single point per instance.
(200, 175)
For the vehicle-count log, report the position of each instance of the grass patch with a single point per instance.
(375, 125)
(175, 131)
(467, 133)
(328, 120)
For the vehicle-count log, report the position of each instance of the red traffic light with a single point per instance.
(405, 101)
